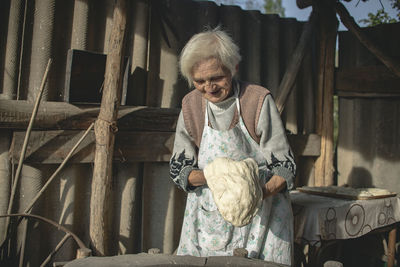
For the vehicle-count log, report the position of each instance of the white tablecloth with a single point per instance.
(324, 218)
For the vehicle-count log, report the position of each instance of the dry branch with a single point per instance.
(25, 145)
(22, 157)
(58, 226)
(39, 194)
(57, 248)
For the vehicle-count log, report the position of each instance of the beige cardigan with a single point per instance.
(251, 99)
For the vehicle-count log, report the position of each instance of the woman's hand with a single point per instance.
(273, 186)
(196, 178)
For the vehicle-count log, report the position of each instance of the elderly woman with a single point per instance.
(224, 117)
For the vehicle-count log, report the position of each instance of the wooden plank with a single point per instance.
(353, 27)
(292, 70)
(341, 195)
(51, 147)
(368, 80)
(308, 145)
(15, 114)
(392, 247)
(367, 95)
(327, 32)
(306, 3)
(303, 3)
(271, 64)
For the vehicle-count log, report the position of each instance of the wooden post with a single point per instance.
(327, 42)
(105, 128)
(391, 247)
(240, 252)
(83, 253)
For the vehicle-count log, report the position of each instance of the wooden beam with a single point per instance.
(350, 24)
(105, 128)
(63, 116)
(367, 81)
(392, 247)
(51, 147)
(15, 114)
(292, 70)
(303, 3)
(305, 145)
(351, 94)
(327, 35)
(306, 3)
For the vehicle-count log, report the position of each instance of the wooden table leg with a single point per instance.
(391, 247)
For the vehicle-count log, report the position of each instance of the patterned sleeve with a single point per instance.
(274, 143)
(184, 157)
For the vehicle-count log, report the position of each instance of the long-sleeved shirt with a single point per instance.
(273, 142)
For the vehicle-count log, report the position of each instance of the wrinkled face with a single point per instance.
(213, 80)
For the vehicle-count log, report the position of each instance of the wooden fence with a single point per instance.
(369, 98)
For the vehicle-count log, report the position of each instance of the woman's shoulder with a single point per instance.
(191, 96)
(248, 88)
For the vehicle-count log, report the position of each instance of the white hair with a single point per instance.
(213, 43)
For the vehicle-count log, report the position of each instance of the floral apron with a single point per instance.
(204, 231)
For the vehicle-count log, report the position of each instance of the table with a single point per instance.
(319, 218)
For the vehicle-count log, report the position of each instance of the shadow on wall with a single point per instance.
(360, 177)
(136, 91)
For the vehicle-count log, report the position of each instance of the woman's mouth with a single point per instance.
(214, 93)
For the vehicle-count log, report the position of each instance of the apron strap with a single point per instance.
(206, 115)
(236, 95)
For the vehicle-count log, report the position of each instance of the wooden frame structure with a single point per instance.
(344, 82)
(57, 125)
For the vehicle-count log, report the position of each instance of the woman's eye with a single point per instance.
(199, 81)
(217, 78)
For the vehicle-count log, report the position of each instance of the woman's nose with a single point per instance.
(209, 83)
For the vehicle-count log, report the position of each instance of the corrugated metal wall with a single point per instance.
(148, 207)
(369, 127)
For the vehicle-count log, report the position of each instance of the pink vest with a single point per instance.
(251, 99)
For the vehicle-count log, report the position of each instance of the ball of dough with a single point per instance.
(235, 188)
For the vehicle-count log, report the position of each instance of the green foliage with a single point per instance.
(274, 7)
(381, 16)
(396, 5)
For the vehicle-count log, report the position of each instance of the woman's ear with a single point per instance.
(237, 68)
